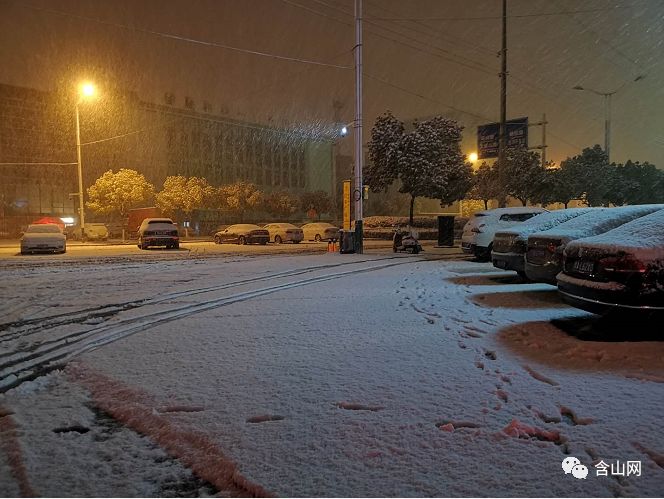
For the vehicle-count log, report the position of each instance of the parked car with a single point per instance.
(544, 257)
(242, 234)
(477, 236)
(320, 231)
(622, 269)
(93, 232)
(284, 232)
(158, 232)
(40, 238)
(509, 246)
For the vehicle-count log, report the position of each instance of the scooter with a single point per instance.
(405, 241)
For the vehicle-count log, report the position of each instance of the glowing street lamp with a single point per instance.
(472, 157)
(87, 91)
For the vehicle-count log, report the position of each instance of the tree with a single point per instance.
(240, 198)
(522, 174)
(587, 176)
(427, 161)
(598, 175)
(117, 193)
(319, 201)
(486, 185)
(281, 204)
(636, 183)
(565, 183)
(384, 152)
(184, 194)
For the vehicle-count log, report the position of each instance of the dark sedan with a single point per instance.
(509, 246)
(242, 234)
(544, 259)
(622, 269)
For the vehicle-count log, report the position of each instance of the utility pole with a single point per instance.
(502, 129)
(607, 125)
(543, 146)
(543, 140)
(503, 90)
(357, 191)
(81, 206)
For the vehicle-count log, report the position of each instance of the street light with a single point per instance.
(87, 90)
(472, 157)
(607, 112)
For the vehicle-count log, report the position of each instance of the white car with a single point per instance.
(284, 232)
(39, 238)
(319, 231)
(477, 236)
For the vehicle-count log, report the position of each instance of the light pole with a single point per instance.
(357, 192)
(607, 112)
(87, 90)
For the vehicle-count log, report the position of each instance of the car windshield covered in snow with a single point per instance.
(643, 238)
(597, 221)
(545, 221)
(43, 229)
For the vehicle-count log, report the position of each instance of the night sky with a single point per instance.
(421, 57)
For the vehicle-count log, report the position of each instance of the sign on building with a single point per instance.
(487, 137)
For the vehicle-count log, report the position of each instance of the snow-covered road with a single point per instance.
(321, 375)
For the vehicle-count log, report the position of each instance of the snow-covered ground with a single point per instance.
(321, 375)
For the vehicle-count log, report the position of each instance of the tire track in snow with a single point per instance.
(41, 323)
(52, 355)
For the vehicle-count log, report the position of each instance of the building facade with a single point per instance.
(38, 149)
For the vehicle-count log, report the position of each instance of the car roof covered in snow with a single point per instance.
(597, 221)
(544, 221)
(643, 237)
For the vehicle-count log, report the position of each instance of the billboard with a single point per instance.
(487, 137)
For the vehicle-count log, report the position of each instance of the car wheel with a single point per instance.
(416, 250)
(277, 240)
(317, 238)
(241, 240)
(296, 242)
(484, 255)
(263, 243)
(217, 240)
(176, 245)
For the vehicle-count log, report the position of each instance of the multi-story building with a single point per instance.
(38, 149)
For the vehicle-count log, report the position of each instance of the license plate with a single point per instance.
(584, 266)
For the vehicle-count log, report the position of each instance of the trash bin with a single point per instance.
(346, 241)
(445, 230)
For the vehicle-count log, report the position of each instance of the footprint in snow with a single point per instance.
(570, 417)
(264, 418)
(349, 406)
